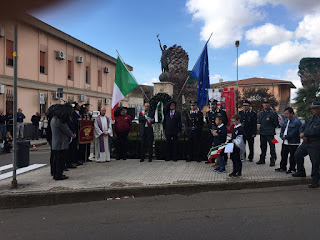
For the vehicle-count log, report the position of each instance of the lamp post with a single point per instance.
(237, 43)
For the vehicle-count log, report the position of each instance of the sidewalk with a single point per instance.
(98, 181)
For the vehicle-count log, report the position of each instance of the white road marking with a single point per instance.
(5, 167)
(21, 170)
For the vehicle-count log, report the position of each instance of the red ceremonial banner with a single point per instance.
(86, 131)
(228, 105)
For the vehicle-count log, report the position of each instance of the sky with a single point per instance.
(274, 34)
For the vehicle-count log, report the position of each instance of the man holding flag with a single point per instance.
(124, 83)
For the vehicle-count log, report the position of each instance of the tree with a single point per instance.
(256, 97)
(304, 99)
(309, 71)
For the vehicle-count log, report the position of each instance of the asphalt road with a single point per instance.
(274, 213)
(41, 155)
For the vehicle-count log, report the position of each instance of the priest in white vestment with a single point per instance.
(102, 133)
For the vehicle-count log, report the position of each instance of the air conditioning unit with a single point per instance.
(79, 59)
(56, 95)
(1, 32)
(60, 55)
(82, 98)
(1, 89)
(105, 70)
(106, 101)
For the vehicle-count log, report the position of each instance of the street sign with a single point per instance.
(42, 100)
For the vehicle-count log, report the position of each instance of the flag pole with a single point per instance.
(194, 66)
(133, 76)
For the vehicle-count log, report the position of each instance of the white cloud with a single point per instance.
(292, 75)
(215, 78)
(226, 19)
(299, 5)
(151, 82)
(288, 52)
(249, 59)
(268, 34)
(309, 28)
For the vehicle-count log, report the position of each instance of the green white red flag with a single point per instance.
(124, 83)
(215, 152)
(277, 139)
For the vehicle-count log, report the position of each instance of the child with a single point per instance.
(235, 155)
(7, 142)
(220, 137)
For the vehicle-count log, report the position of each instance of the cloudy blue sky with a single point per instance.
(274, 34)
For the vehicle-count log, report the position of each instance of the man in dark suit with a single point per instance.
(249, 123)
(172, 130)
(75, 117)
(146, 132)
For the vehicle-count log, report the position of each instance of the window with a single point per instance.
(9, 53)
(87, 75)
(42, 62)
(69, 70)
(99, 78)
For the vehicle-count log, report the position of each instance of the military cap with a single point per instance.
(74, 104)
(193, 102)
(246, 103)
(213, 101)
(266, 101)
(315, 104)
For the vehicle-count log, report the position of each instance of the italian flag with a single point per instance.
(124, 83)
(277, 139)
(215, 152)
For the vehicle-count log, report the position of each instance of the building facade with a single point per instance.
(280, 89)
(49, 59)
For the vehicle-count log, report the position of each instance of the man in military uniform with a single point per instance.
(310, 134)
(268, 120)
(249, 123)
(194, 126)
(213, 113)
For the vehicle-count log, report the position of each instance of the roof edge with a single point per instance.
(37, 23)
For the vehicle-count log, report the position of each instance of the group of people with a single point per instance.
(68, 153)
(244, 131)
(39, 124)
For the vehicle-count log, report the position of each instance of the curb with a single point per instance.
(48, 198)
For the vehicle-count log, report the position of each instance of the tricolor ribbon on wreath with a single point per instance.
(156, 114)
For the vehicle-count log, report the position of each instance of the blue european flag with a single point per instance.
(201, 73)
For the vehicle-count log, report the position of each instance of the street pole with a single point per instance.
(237, 43)
(15, 72)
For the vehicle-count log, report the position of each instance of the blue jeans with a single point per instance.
(2, 131)
(221, 162)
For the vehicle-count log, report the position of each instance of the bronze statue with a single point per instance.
(164, 57)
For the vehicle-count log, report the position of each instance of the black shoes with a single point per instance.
(71, 166)
(142, 160)
(150, 160)
(79, 163)
(250, 160)
(261, 162)
(299, 174)
(63, 177)
(290, 171)
(279, 170)
(314, 185)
